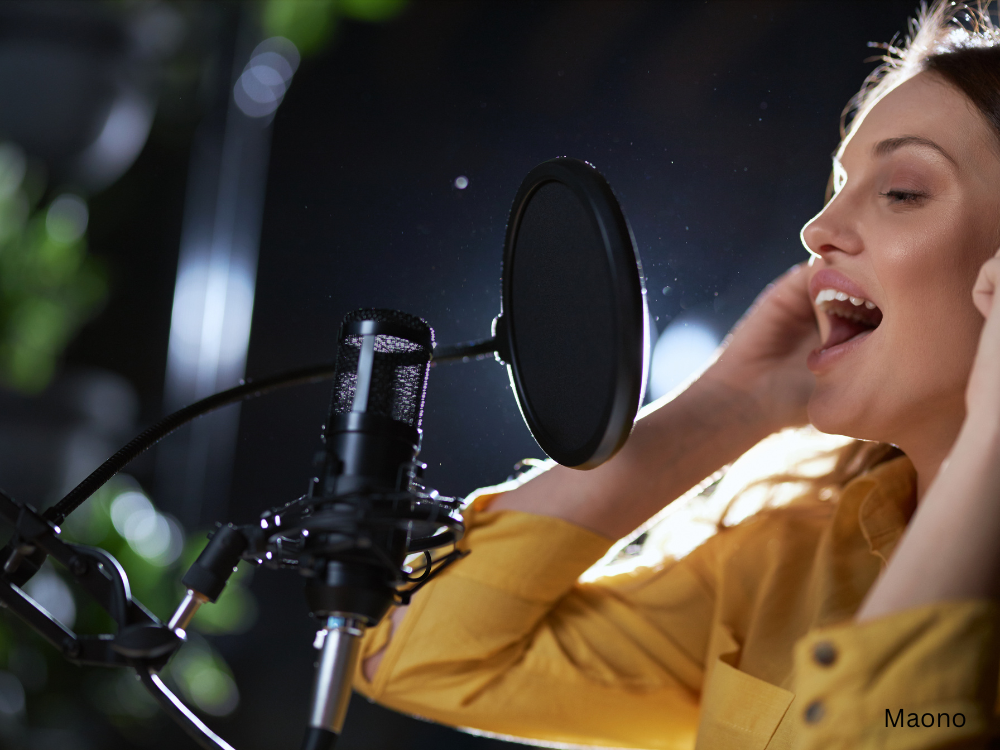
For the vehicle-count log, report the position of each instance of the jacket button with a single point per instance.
(825, 653)
(814, 712)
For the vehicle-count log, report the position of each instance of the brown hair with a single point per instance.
(960, 43)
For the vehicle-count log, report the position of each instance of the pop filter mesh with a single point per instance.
(399, 372)
(563, 318)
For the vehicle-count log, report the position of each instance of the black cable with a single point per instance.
(404, 595)
(465, 350)
(175, 708)
(428, 562)
(315, 373)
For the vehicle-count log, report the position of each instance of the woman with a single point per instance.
(820, 624)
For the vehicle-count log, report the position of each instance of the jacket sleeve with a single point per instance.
(922, 678)
(507, 641)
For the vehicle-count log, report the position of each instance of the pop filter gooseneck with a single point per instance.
(572, 326)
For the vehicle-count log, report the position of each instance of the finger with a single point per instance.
(791, 291)
(985, 286)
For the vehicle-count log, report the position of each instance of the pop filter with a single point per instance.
(573, 315)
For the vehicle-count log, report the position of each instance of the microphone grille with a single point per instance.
(396, 383)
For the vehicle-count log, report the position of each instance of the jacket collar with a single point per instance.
(883, 500)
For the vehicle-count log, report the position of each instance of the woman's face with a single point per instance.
(896, 251)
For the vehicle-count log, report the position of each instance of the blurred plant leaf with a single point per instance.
(49, 286)
(310, 24)
(371, 10)
(204, 678)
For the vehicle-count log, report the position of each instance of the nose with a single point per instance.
(832, 230)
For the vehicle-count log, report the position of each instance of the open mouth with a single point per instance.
(849, 317)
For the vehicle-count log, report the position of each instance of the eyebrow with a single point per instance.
(889, 145)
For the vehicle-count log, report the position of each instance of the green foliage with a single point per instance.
(371, 10)
(49, 286)
(204, 678)
(309, 24)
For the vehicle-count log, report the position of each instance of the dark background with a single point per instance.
(713, 121)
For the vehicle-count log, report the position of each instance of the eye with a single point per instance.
(903, 196)
(839, 176)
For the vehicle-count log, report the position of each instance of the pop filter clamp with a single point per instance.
(575, 353)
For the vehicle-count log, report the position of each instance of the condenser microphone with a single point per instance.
(372, 437)
(372, 434)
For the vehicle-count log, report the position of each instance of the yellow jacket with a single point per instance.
(747, 642)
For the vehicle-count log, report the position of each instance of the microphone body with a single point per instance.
(373, 428)
(372, 437)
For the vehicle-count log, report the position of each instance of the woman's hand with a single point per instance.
(982, 395)
(765, 354)
(949, 551)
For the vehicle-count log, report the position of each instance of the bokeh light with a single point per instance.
(66, 219)
(157, 538)
(52, 593)
(204, 679)
(11, 695)
(265, 79)
(684, 347)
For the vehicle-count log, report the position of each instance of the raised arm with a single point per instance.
(950, 550)
(759, 384)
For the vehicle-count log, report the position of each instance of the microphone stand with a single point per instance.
(351, 546)
(142, 641)
(352, 580)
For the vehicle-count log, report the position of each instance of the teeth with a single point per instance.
(850, 316)
(828, 295)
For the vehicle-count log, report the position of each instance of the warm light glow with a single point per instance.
(730, 496)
